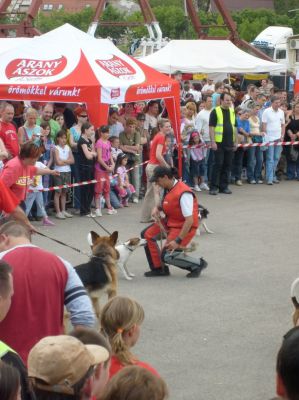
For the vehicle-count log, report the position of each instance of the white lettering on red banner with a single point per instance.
(36, 68)
(44, 91)
(117, 67)
(151, 89)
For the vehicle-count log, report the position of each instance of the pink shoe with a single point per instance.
(47, 222)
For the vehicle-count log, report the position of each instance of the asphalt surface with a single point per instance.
(215, 337)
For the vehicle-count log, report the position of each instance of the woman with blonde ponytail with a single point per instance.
(121, 319)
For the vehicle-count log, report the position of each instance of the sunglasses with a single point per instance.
(83, 116)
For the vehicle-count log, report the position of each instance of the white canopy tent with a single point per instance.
(207, 56)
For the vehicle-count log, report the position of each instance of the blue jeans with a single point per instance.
(36, 197)
(254, 164)
(293, 169)
(272, 157)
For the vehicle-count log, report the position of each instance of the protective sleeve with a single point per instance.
(186, 203)
(76, 299)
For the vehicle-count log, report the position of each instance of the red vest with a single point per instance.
(36, 309)
(172, 209)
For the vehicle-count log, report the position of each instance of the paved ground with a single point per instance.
(215, 337)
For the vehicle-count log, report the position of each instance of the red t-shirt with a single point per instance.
(9, 136)
(17, 177)
(158, 139)
(116, 366)
(36, 308)
(8, 201)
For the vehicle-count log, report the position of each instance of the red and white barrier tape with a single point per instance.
(266, 144)
(76, 184)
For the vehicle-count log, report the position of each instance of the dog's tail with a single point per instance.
(293, 294)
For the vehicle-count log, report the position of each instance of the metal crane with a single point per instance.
(229, 23)
(155, 41)
(19, 24)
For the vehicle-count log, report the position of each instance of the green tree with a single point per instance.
(81, 20)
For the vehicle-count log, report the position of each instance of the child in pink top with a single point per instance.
(123, 187)
(197, 156)
(103, 169)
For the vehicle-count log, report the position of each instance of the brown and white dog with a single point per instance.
(125, 250)
(295, 302)
(99, 274)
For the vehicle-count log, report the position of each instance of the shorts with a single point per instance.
(63, 179)
(197, 168)
(103, 184)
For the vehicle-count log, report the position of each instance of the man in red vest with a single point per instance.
(179, 225)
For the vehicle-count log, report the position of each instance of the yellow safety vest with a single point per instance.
(219, 126)
(4, 349)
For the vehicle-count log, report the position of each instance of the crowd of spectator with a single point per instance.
(54, 144)
(73, 150)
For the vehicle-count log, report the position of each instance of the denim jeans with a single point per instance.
(293, 169)
(36, 197)
(254, 164)
(272, 157)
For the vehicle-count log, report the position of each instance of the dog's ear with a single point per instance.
(113, 238)
(92, 238)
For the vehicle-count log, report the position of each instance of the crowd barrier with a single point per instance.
(83, 183)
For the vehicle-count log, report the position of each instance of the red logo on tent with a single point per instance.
(115, 93)
(117, 67)
(37, 68)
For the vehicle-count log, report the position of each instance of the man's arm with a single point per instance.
(76, 299)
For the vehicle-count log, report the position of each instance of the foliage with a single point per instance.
(174, 24)
(81, 20)
(283, 6)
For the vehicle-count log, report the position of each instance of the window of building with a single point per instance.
(48, 7)
(297, 55)
(60, 6)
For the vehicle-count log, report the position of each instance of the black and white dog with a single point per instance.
(202, 215)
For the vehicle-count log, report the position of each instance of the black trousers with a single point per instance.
(221, 167)
(86, 191)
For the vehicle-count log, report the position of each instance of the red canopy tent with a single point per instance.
(67, 65)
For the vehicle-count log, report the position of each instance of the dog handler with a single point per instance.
(179, 225)
(9, 204)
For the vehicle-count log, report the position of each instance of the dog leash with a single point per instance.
(63, 244)
(98, 223)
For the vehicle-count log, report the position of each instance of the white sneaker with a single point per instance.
(204, 186)
(111, 211)
(60, 215)
(67, 215)
(197, 188)
(91, 215)
(135, 200)
(98, 212)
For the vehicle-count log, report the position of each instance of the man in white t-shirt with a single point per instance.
(202, 125)
(209, 87)
(273, 123)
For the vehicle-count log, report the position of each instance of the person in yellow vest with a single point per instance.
(8, 355)
(224, 142)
